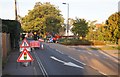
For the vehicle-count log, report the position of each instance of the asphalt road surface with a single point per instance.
(95, 59)
(56, 59)
(52, 62)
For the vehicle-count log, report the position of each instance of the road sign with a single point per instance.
(25, 57)
(28, 49)
(25, 45)
(34, 44)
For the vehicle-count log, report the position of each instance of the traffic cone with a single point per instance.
(42, 47)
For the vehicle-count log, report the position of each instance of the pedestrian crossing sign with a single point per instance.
(25, 57)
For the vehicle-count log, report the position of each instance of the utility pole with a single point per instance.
(15, 10)
(15, 40)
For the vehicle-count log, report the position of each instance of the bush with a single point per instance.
(75, 42)
(118, 47)
(98, 43)
(66, 41)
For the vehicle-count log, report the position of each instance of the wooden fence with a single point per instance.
(6, 47)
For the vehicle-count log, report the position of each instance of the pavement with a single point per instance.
(12, 67)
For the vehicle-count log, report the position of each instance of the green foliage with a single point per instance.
(75, 42)
(43, 18)
(80, 27)
(110, 31)
(113, 28)
(13, 27)
(91, 29)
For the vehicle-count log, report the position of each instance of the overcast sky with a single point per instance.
(88, 9)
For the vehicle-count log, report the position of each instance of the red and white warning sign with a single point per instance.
(25, 45)
(35, 44)
(25, 57)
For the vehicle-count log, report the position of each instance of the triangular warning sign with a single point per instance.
(25, 57)
(24, 44)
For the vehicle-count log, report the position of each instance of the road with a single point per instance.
(55, 63)
(95, 59)
(56, 59)
(62, 60)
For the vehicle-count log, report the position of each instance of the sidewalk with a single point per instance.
(14, 68)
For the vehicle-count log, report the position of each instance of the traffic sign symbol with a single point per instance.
(25, 57)
(24, 44)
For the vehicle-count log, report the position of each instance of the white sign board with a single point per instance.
(28, 49)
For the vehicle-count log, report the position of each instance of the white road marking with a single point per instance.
(98, 70)
(105, 57)
(66, 63)
(96, 55)
(41, 65)
(90, 53)
(110, 57)
(77, 60)
(79, 50)
(94, 68)
(59, 51)
(35, 72)
(52, 57)
(102, 73)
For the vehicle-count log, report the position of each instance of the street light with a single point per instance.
(15, 10)
(67, 27)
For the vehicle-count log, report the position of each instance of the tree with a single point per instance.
(80, 27)
(113, 29)
(13, 27)
(91, 28)
(43, 18)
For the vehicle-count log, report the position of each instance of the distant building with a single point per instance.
(69, 31)
(69, 28)
(98, 25)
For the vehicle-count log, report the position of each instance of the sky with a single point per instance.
(91, 10)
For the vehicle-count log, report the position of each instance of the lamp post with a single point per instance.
(67, 27)
(15, 10)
